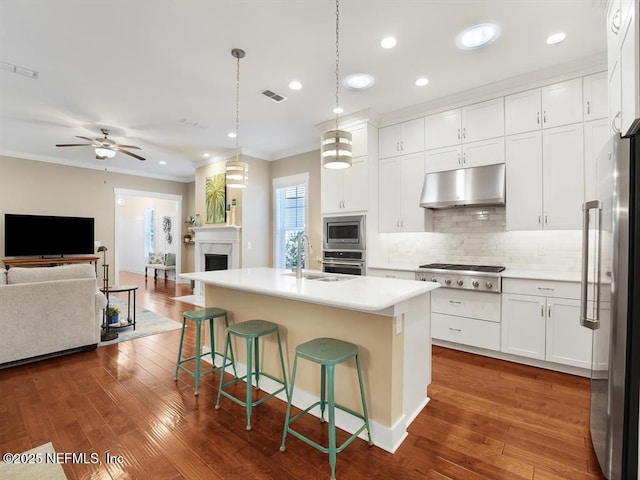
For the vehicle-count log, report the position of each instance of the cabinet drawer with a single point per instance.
(480, 305)
(388, 273)
(547, 288)
(467, 331)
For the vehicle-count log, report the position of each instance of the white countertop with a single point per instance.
(363, 293)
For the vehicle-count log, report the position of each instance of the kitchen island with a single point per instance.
(389, 320)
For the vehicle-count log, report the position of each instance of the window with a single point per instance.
(149, 232)
(290, 204)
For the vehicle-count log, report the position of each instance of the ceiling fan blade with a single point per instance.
(74, 145)
(129, 146)
(85, 138)
(131, 154)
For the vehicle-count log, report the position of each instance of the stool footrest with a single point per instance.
(257, 402)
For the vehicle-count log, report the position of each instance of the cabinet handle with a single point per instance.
(615, 22)
(464, 158)
(613, 123)
(401, 145)
(544, 116)
(401, 223)
(457, 302)
(538, 118)
(549, 310)
(546, 218)
(539, 218)
(546, 289)
(455, 329)
(458, 134)
(588, 107)
(464, 132)
(542, 309)
(459, 160)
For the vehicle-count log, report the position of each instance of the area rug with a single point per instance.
(41, 466)
(147, 323)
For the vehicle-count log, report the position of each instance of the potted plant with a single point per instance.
(112, 315)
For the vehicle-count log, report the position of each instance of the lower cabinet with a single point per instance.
(545, 327)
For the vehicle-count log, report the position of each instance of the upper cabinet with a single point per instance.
(550, 106)
(471, 123)
(402, 138)
(400, 186)
(594, 90)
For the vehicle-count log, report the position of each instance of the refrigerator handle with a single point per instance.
(591, 323)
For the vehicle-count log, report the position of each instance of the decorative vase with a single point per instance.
(196, 222)
(113, 319)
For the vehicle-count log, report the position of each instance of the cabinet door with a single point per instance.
(442, 129)
(389, 141)
(483, 120)
(596, 134)
(411, 180)
(412, 140)
(629, 65)
(485, 152)
(522, 112)
(568, 342)
(563, 177)
(594, 88)
(524, 181)
(358, 140)
(562, 103)
(442, 159)
(331, 190)
(389, 191)
(615, 98)
(356, 186)
(523, 325)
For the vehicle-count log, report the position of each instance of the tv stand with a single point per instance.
(49, 262)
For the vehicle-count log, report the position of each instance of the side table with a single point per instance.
(131, 319)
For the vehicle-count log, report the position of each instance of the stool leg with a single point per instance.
(184, 324)
(289, 402)
(364, 402)
(212, 341)
(249, 381)
(284, 372)
(198, 353)
(224, 360)
(257, 361)
(233, 360)
(332, 423)
(323, 392)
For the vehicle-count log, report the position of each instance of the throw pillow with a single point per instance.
(170, 259)
(156, 258)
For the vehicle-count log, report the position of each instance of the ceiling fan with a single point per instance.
(104, 147)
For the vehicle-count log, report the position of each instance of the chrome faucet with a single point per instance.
(298, 261)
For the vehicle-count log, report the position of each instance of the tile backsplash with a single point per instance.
(477, 235)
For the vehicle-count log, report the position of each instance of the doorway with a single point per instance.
(147, 224)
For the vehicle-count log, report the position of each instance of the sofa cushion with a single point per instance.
(46, 274)
(3, 277)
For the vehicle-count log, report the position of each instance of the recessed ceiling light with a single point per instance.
(295, 85)
(422, 81)
(205, 155)
(162, 162)
(231, 135)
(388, 42)
(556, 38)
(477, 36)
(338, 110)
(359, 81)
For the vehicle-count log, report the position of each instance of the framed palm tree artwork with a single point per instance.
(216, 199)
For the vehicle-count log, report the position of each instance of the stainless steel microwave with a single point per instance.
(344, 233)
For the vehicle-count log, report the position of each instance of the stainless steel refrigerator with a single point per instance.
(610, 306)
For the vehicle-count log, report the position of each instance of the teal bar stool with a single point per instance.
(328, 352)
(199, 316)
(252, 330)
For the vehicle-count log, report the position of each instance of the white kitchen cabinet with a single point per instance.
(547, 107)
(391, 273)
(596, 134)
(479, 121)
(402, 138)
(524, 181)
(399, 189)
(629, 66)
(541, 319)
(563, 177)
(443, 159)
(594, 91)
(346, 190)
(476, 154)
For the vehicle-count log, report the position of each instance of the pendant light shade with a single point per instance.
(237, 171)
(335, 148)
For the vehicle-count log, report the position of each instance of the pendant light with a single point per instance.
(336, 144)
(237, 171)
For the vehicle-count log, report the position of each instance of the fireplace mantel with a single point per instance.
(216, 239)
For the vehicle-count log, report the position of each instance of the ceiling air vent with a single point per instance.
(273, 96)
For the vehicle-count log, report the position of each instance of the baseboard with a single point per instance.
(384, 437)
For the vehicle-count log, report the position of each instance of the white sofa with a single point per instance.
(48, 311)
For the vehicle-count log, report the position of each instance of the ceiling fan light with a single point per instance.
(105, 153)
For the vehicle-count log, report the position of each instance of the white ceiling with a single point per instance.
(149, 69)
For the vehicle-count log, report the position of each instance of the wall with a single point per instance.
(252, 211)
(34, 187)
(305, 162)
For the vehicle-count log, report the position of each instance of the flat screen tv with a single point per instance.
(43, 235)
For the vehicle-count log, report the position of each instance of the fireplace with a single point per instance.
(214, 261)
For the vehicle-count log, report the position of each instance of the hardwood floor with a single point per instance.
(487, 419)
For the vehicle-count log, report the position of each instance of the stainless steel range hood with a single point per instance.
(466, 186)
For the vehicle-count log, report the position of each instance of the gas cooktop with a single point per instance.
(462, 267)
